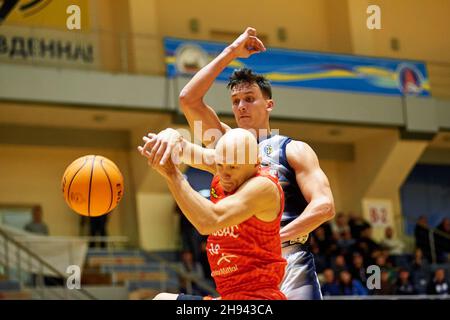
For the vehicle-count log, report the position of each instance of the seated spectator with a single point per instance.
(349, 286)
(98, 227)
(319, 259)
(357, 268)
(439, 284)
(339, 226)
(421, 234)
(192, 269)
(442, 240)
(329, 286)
(339, 264)
(395, 246)
(326, 244)
(356, 224)
(346, 243)
(386, 285)
(37, 225)
(366, 246)
(420, 272)
(404, 285)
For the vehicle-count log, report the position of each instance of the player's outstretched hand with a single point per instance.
(161, 147)
(247, 44)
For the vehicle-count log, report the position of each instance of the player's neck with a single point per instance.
(263, 133)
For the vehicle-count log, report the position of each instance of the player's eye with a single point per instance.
(249, 99)
(235, 102)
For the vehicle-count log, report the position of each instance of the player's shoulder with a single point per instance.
(262, 185)
(299, 153)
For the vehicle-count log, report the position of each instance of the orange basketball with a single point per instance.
(92, 185)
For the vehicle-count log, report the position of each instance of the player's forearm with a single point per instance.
(198, 157)
(197, 209)
(199, 85)
(316, 213)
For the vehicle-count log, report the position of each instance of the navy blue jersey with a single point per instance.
(273, 154)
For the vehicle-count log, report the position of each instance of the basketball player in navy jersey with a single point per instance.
(308, 197)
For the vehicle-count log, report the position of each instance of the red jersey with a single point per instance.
(245, 259)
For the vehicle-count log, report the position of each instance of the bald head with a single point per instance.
(236, 147)
(237, 158)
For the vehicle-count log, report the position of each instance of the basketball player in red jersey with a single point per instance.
(242, 219)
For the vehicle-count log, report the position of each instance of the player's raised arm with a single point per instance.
(178, 149)
(192, 95)
(315, 188)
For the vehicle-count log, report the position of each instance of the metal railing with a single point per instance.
(432, 232)
(190, 278)
(23, 256)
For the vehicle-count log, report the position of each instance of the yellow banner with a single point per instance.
(43, 13)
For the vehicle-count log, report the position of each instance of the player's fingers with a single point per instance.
(251, 31)
(167, 154)
(159, 153)
(148, 144)
(257, 44)
(153, 151)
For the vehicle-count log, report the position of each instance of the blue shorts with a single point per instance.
(300, 280)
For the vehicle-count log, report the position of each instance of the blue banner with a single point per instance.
(312, 70)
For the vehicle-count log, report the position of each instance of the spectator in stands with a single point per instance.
(346, 243)
(394, 246)
(191, 269)
(329, 286)
(189, 236)
(205, 263)
(442, 240)
(366, 246)
(404, 285)
(439, 284)
(421, 235)
(325, 243)
(358, 269)
(349, 286)
(97, 227)
(339, 264)
(319, 259)
(194, 242)
(420, 272)
(37, 225)
(339, 226)
(384, 263)
(356, 224)
(387, 287)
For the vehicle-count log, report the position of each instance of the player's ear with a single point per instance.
(270, 105)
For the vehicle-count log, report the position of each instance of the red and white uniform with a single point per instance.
(245, 259)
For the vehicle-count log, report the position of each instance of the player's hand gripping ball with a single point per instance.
(92, 185)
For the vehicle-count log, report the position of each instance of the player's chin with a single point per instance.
(227, 186)
(245, 123)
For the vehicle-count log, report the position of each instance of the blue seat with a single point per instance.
(10, 285)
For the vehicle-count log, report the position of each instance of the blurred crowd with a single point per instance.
(344, 249)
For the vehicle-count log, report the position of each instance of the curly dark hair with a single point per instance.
(246, 75)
